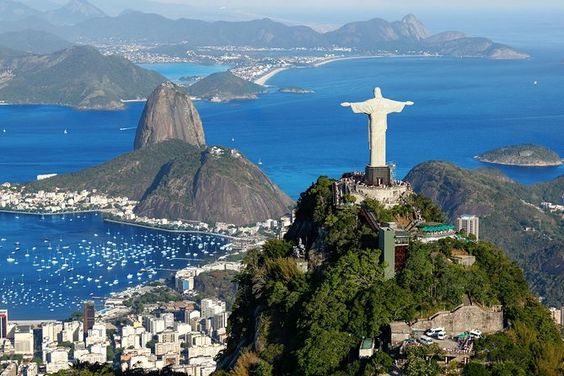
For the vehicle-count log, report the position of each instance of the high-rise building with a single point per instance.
(3, 323)
(470, 224)
(23, 340)
(89, 316)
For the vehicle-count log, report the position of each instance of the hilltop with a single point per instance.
(173, 175)
(526, 155)
(34, 42)
(510, 217)
(80, 77)
(306, 310)
(175, 180)
(224, 86)
(169, 114)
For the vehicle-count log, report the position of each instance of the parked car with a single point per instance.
(424, 340)
(476, 333)
(433, 331)
(440, 335)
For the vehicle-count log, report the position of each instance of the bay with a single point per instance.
(463, 107)
(50, 264)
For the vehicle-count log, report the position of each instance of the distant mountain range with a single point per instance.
(510, 217)
(81, 21)
(80, 77)
(73, 12)
(34, 42)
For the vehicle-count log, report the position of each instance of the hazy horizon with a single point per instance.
(518, 22)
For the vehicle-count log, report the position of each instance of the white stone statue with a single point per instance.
(377, 110)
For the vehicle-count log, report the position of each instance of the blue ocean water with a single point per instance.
(463, 107)
(50, 264)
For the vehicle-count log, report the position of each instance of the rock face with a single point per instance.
(175, 180)
(216, 185)
(169, 115)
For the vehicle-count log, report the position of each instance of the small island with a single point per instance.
(224, 87)
(296, 90)
(526, 155)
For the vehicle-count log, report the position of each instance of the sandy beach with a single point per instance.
(265, 78)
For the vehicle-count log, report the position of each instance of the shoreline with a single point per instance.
(149, 227)
(3, 211)
(263, 80)
(518, 164)
(126, 223)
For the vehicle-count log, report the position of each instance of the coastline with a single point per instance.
(153, 228)
(263, 80)
(148, 227)
(3, 211)
(519, 164)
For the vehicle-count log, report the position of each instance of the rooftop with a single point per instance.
(435, 227)
(367, 344)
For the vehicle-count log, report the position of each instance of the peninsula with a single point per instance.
(526, 155)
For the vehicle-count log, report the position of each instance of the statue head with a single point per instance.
(377, 93)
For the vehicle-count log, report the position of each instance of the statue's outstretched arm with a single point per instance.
(409, 103)
(346, 104)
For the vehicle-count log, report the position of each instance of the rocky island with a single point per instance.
(526, 155)
(225, 87)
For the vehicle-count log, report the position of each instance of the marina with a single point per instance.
(66, 259)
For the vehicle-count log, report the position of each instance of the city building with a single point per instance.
(393, 242)
(211, 307)
(23, 340)
(432, 232)
(89, 316)
(470, 224)
(184, 279)
(557, 315)
(3, 323)
(57, 359)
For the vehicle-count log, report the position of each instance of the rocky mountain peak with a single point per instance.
(85, 8)
(169, 114)
(411, 27)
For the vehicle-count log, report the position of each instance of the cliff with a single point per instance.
(169, 114)
(510, 217)
(522, 155)
(175, 180)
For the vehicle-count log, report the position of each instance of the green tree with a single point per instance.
(475, 369)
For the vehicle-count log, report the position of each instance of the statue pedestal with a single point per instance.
(378, 176)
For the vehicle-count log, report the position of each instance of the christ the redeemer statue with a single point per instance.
(377, 110)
